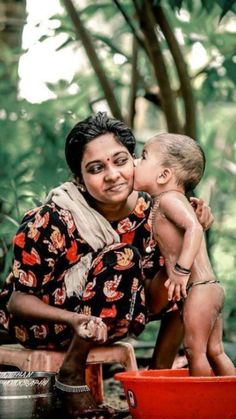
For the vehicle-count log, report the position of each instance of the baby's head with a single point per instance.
(184, 155)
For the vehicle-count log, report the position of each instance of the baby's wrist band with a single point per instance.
(180, 270)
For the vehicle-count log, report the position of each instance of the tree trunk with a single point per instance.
(12, 20)
(181, 67)
(147, 23)
(85, 38)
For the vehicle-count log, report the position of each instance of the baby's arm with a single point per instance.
(179, 212)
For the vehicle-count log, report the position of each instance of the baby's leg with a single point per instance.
(220, 362)
(199, 315)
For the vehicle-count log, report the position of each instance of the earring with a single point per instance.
(81, 187)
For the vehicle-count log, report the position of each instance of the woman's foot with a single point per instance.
(76, 398)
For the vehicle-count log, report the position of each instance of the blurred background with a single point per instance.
(158, 65)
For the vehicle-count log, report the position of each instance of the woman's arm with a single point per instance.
(203, 212)
(30, 307)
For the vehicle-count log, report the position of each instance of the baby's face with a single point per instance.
(148, 168)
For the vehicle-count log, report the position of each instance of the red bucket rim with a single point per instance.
(153, 375)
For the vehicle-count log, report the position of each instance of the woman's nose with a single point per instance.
(112, 173)
(136, 162)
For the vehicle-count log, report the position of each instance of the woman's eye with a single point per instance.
(95, 169)
(121, 161)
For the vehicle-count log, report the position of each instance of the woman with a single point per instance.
(82, 260)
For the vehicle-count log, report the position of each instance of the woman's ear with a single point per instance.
(164, 176)
(80, 184)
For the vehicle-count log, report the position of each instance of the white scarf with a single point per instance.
(92, 227)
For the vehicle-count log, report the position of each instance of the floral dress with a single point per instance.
(47, 244)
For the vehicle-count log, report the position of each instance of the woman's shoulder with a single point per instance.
(143, 204)
(47, 216)
(145, 196)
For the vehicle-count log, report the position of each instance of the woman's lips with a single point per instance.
(116, 188)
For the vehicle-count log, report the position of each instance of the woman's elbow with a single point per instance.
(12, 305)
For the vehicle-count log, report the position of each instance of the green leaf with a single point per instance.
(230, 66)
(108, 41)
(226, 6)
(12, 220)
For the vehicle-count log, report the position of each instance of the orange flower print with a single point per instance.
(67, 217)
(21, 333)
(15, 268)
(128, 237)
(45, 298)
(88, 293)
(125, 226)
(47, 278)
(59, 328)
(98, 268)
(19, 240)
(141, 206)
(124, 259)
(134, 285)
(110, 289)
(161, 261)
(58, 239)
(72, 252)
(27, 278)
(142, 296)
(109, 312)
(140, 318)
(40, 331)
(86, 310)
(39, 222)
(59, 296)
(4, 321)
(31, 258)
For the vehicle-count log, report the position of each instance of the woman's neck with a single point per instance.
(117, 211)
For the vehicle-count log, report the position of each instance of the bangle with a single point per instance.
(180, 269)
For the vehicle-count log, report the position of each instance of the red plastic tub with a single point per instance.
(173, 394)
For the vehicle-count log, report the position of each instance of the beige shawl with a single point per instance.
(92, 227)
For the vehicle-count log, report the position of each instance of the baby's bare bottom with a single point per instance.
(203, 328)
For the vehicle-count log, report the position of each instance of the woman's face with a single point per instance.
(107, 169)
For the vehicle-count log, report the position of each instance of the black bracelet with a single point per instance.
(181, 269)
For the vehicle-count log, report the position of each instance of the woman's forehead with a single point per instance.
(104, 146)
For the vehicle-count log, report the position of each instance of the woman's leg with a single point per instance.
(114, 292)
(72, 372)
(170, 333)
(168, 341)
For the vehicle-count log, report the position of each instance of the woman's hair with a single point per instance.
(184, 155)
(89, 129)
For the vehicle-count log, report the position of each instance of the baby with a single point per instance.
(172, 165)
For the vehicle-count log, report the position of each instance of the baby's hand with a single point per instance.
(90, 328)
(176, 286)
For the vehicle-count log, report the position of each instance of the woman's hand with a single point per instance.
(203, 212)
(90, 328)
